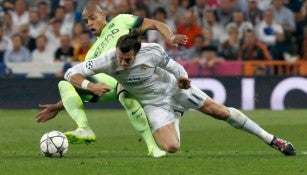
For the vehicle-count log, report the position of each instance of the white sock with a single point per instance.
(238, 120)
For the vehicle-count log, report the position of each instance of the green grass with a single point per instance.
(208, 146)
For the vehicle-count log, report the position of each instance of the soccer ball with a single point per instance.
(54, 144)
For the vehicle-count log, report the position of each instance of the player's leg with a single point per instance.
(75, 109)
(167, 137)
(73, 103)
(240, 121)
(165, 126)
(139, 121)
(196, 99)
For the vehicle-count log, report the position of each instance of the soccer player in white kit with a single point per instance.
(162, 87)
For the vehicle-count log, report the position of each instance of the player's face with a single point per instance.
(95, 21)
(125, 59)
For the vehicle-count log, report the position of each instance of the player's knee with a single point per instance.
(128, 101)
(65, 87)
(172, 148)
(63, 84)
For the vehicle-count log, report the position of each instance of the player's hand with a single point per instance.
(49, 112)
(99, 88)
(179, 39)
(184, 83)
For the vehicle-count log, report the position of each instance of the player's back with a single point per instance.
(146, 78)
(118, 26)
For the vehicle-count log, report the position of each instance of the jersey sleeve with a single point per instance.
(167, 63)
(131, 21)
(93, 66)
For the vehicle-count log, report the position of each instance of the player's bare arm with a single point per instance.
(164, 30)
(49, 111)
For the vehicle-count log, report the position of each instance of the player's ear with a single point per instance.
(103, 14)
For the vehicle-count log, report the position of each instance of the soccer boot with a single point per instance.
(156, 152)
(283, 146)
(81, 135)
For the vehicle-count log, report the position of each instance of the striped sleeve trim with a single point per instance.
(138, 23)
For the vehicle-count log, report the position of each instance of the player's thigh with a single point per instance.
(167, 137)
(110, 96)
(192, 98)
(159, 116)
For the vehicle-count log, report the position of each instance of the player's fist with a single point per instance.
(178, 39)
(99, 88)
(184, 83)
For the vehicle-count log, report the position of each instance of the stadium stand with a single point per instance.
(56, 14)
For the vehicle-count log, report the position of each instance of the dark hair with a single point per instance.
(130, 41)
(160, 10)
(209, 48)
(94, 7)
(42, 3)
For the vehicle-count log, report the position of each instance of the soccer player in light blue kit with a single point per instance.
(162, 87)
(107, 34)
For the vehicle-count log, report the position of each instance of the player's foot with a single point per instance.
(81, 135)
(156, 152)
(283, 146)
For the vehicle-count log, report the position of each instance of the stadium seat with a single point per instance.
(281, 68)
(192, 68)
(228, 68)
(206, 72)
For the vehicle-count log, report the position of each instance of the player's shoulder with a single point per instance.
(152, 46)
(110, 53)
(152, 49)
(123, 16)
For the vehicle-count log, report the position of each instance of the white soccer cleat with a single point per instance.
(156, 152)
(81, 135)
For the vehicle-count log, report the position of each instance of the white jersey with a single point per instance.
(152, 78)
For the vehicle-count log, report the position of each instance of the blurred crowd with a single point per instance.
(48, 31)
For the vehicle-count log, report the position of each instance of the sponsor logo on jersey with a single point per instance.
(111, 25)
(105, 41)
(135, 81)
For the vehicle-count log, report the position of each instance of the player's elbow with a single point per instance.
(68, 74)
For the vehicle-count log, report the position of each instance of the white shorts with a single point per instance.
(164, 114)
(160, 116)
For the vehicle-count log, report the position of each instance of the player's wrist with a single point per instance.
(84, 84)
(59, 106)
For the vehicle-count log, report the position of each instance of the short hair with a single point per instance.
(42, 3)
(42, 36)
(16, 35)
(209, 48)
(130, 41)
(93, 7)
(160, 10)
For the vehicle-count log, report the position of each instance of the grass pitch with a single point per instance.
(208, 146)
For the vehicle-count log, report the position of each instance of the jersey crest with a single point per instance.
(143, 67)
